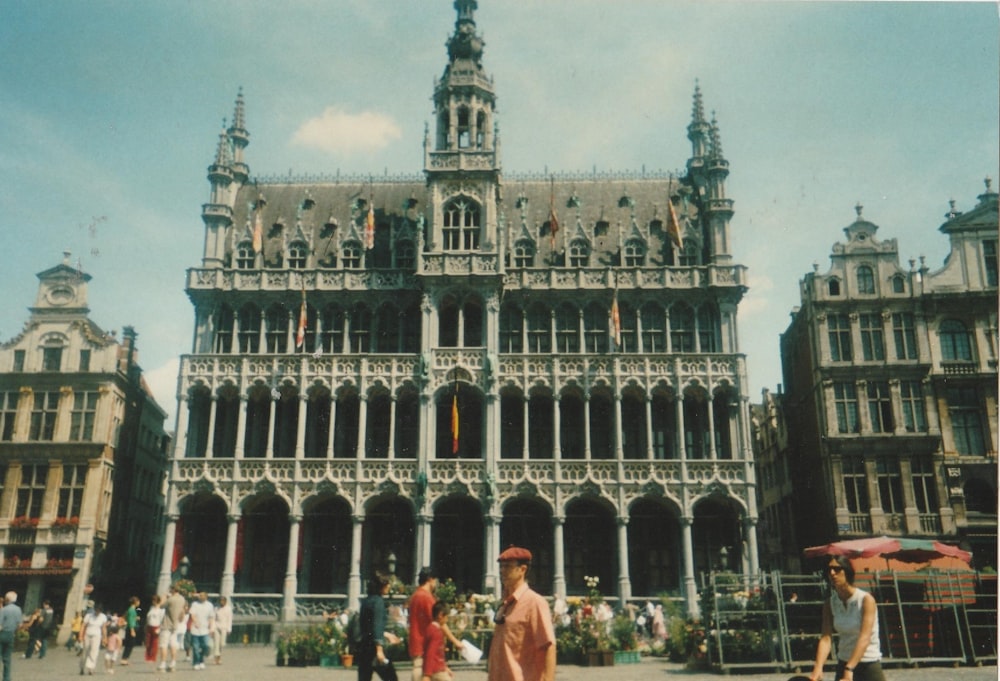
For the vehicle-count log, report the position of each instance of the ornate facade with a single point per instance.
(83, 457)
(891, 378)
(395, 372)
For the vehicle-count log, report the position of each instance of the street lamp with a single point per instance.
(390, 562)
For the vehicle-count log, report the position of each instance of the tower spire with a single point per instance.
(239, 138)
(465, 44)
(698, 129)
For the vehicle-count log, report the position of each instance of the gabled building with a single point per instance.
(76, 422)
(891, 380)
(403, 371)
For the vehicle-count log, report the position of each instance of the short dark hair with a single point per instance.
(426, 574)
(377, 583)
(844, 563)
(439, 607)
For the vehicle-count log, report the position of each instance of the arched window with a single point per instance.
(635, 253)
(654, 328)
(249, 329)
(460, 229)
(898, 284)
(954, 339)
(567, 328)
(709, 331)
(351, 258)
(524, 253)
(596, 332)
(539, 330)
(297, 253)
(277, 329)
(579, 253)
(833, 287)
(682, 328)
(245, 256)
(361, 329)
(333, 329)
(223, 330)
(866, 280)
(511, 328)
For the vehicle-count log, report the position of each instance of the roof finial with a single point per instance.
(857, 209)
(698, 108)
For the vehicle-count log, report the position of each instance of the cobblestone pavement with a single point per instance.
(255, 661)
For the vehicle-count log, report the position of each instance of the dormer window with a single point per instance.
(297, 253)
(352, 255)
(898, 284)
(635, 254)
(579, 253)
(524, 254)
(833, 287)
(866, 280)
(244, 256)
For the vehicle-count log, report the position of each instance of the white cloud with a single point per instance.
(337, 131)
(163, 382)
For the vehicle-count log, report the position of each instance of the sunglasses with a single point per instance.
(501, 615)
(835, 569)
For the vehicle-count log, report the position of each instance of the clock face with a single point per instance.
(61, 295)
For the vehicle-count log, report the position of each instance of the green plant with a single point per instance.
(623, 634)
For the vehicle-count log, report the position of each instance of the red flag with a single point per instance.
(616, 323)
(300, 335)
(370, 226)
(454, 422)
(673, 227)
(258, 230)
(553, 220)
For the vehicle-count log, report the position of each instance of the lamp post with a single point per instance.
(390, 562)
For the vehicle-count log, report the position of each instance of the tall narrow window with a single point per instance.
(51, 359)
(245, 256)
(43, 416)
(333, 329)
(277, 329)
(682, 328)
(990, 261)
(8, 412)
(967, 419)
(898, 284)
(839, 327)
(635, 253)
(866, 280)
(74, 479)
(567, 329)
(914, 415)
(579, 253)
(955, 344)
(85, 360)
(924, 489)
(249, 329)
(855, 484)
(709, 329)
(524, 254)
(511, 321)
(461, 225)
(595, 328)
(872, 337)
(361, 329)
(880, 407)
(82, 418)
(406, 255)
(890, 484)
(32, 490)
(539, 332)
(654, 328)
(845, 400)
(904, 336)
(626, 315)
(18, 365)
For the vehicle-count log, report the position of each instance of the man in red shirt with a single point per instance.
(421, 607)
(435, 667)
(524, 643)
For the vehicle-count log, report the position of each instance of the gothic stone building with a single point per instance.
(83, 457)
(484, 359)
(891, 379)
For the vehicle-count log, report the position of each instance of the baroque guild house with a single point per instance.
(404, 371)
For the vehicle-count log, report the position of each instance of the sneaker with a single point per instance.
(161, 667)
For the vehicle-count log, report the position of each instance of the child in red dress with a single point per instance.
(435, 666)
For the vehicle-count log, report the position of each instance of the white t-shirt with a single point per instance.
(154, 617)
(93, 624)
(202, 615)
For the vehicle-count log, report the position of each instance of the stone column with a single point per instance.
(624, 582)
(556, 429)
(493, 542)
(750, 530)
(300, 432)
(229, 566)
(291, 569)
(710, 407)
(169, 539)
(559, 557)
(526, 428)
(210, 444)
(333, 424)
(269, 445)
(180, 449)
(690, 585)
(354, 581)
(649, 427)
(361, 451)
(391, 449)
(241, 428)
(586, 427)
(423, 547)
(619, 435)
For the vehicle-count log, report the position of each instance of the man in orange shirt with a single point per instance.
(524, 643)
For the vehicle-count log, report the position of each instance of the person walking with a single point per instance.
(112, 647)
(48, 627)
(131, 629)
(202, 614)
(92, 637)
(174, 624)
(371, 620)
(851, 612)
(154, 618)
(223, 627)
(524, 643)
(74, 631)
(434, 665)
(420, 607)
(10, 621)
(33, 624)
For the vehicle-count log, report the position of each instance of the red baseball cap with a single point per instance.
(515, 553)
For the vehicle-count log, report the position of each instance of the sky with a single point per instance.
(110, 113)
